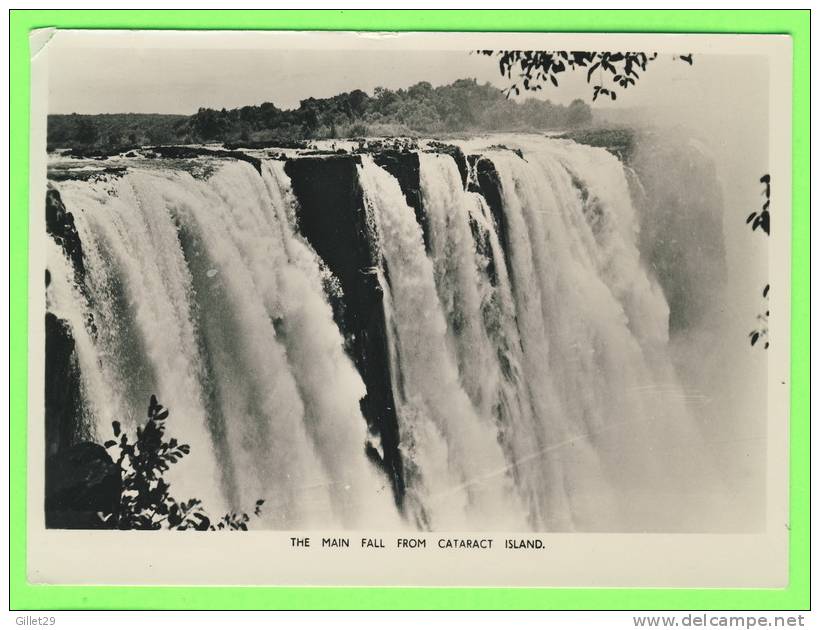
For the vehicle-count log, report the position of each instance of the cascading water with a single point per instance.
(594, 332)
(454, 462)
(201, 293)
(527, 344)
(482, 330)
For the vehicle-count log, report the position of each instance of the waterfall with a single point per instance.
(457, 472)
(482, 330)
(594, 331)
(527, 343)
(202, 293)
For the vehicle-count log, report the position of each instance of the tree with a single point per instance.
(145, 500)
(209, 124)
(87, 131)
(358, 102)
(578, 113)
(536, 68)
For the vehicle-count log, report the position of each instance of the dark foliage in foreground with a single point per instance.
(761, 334)
(760, 219)
(533, 69)
(145, 500)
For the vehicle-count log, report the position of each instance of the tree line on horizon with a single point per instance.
(463, 106)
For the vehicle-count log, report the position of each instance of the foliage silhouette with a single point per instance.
(760, 219)
(536, 68)
(145, 501)
(762, 334)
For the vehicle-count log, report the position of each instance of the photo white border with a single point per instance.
(571, 560)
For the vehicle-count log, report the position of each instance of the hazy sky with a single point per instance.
(179, 81)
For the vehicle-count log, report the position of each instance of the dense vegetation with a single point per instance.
(114, 130)
(463, 106)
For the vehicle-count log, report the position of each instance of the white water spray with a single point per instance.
(530, 365)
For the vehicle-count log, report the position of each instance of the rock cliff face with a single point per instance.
(332, 217)
(404, 166)
(62, 386)
(62, 373)
(71, 495)
(60, 225)
(81, 481)
(489, 185)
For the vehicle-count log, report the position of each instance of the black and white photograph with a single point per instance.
(448, 293)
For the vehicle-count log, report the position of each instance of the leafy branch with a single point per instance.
(532, 69)
(145, 501)
(762, 333)
(760, 219)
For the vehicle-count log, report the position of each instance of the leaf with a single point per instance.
(755, 337)
(161, 415)
(116, 426)
(174, 517)
(750, 217)
(766, 291)
(110, 443)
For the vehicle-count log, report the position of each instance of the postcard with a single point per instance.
(409, 309)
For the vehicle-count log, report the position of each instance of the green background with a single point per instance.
(26, 596)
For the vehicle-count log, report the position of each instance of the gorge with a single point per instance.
(464, 335)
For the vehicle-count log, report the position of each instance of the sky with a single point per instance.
(179, 81)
